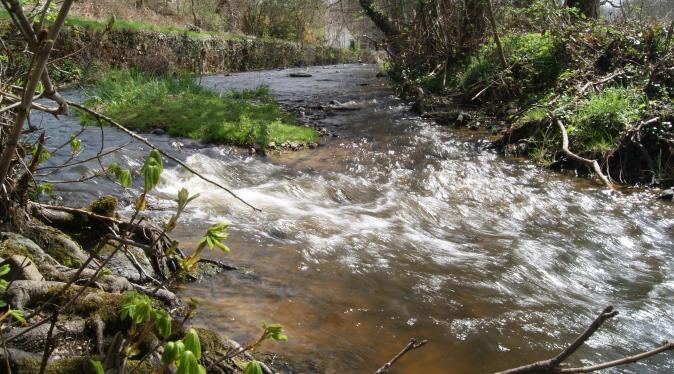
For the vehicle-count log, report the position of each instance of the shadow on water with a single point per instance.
(399, 228)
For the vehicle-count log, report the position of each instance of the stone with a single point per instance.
(15, 244)
(158, 131)
(313, 145)
(123, 265)
(271, 145)
(21, 268)
(667, 194)
(463, 117)
(300, 75)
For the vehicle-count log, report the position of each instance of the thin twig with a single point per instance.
(412, 345)
(49, 343)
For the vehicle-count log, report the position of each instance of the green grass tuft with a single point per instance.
(183, 108)
(600, 119)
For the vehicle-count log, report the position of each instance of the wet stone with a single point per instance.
(667, 194)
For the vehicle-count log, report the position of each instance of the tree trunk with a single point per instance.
(589, 8)
(380, 19)
(473, 26)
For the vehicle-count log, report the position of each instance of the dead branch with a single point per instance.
(666, 346)
(592, 164)
(412, 345)
(554, 365)
(165, 154)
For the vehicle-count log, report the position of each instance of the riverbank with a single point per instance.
(608, 86)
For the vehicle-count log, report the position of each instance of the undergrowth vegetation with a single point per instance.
(535, 62)
(611, 83)
(181, 107)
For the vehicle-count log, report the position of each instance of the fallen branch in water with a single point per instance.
(412, 345)
(165, 154)
(554, 365)
(592, 164)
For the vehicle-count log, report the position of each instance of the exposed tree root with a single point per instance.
(592, 164)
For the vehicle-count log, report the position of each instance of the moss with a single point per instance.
(202, 269)
(12, 247)
(92, 304)
(535, 114)
(82, 365)
(64, 366)
(211, 341)
(45, 239)
(104, 206)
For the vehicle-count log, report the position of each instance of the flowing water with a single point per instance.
(399, 228)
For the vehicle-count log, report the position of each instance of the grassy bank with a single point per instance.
(182, 108)
(610, 85)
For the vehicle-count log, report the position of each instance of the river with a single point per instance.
(398, 228)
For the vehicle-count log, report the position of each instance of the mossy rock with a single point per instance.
(93, 304)
(70, 365)
(104, 206)
(81, 365)
(211, 341)
(15, 244)
(58, 245)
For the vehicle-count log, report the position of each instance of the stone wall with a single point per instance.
(171, 52)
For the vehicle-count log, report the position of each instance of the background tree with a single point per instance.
(589, 8)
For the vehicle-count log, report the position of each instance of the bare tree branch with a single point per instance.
(554, 365)
(412, 345)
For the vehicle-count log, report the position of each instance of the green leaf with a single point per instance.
(274, 332)
(192, 343)
(137, 307)
(45, 188)
(188, 364)
(17, 314)
(152, 170)
(124, 178)
(172, 352)
(162, 321)
(215, 235)
(3, 303)
(98, 367)
(75, 145)
(4, 269)
(44, 153)
(253, 367)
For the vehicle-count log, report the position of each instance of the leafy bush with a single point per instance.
(183, 108)
(534, 60)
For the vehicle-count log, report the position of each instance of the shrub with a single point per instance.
(534, 60)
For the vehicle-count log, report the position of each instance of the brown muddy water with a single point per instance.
(399, 228)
